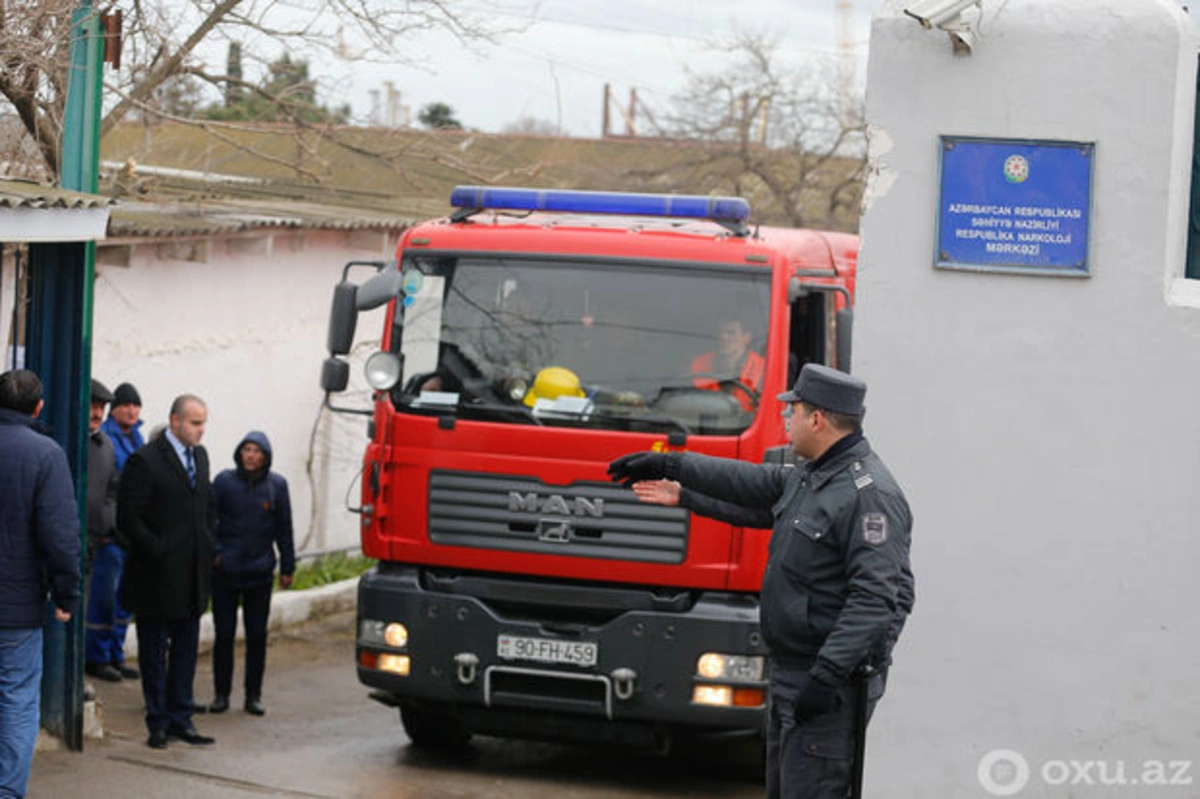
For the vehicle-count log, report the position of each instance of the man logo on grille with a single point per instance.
(555, 505)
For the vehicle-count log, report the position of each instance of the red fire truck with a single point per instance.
(530, 338)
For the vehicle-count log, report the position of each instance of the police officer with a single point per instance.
(838, 585)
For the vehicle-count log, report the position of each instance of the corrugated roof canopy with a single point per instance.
(206, 217)
(27, 194)
(30, 212)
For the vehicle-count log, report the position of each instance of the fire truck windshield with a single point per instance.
(592, 343)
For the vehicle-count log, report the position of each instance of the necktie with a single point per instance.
(191, 466)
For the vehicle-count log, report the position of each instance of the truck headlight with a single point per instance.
(740, 668)
(383, 633)
(395, 635)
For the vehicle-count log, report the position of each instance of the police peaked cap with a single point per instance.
(828, 389)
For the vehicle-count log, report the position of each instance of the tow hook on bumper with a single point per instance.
(467, 665)
(623, 682)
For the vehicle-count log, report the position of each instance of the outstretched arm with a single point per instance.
(671, 493)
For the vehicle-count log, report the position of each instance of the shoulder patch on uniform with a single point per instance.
(874, 528)
(862, 481)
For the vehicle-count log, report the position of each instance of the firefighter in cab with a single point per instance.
(733, 361)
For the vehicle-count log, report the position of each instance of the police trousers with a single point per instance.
(812, 759)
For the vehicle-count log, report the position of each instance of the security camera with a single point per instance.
(936, 13)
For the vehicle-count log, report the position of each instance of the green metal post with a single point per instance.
(59, 349)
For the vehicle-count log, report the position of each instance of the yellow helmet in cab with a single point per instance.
(551, 383)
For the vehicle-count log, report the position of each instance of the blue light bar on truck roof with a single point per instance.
(718, 209)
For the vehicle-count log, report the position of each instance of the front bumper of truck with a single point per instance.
(626, 659)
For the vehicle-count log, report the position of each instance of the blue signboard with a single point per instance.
(1014, 205)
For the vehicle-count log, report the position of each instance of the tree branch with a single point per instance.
(168, 67)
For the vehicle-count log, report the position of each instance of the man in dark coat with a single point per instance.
(165, 512)
(254, 518)
(39, 555)
(104, 647)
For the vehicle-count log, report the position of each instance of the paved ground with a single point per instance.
(322, 737)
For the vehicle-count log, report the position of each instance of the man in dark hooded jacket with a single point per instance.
(39, 557)
(254, 519)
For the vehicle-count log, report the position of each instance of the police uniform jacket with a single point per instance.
(838, 585)
(170, 527)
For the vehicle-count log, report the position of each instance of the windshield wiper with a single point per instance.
(669, 421)
(500, 407)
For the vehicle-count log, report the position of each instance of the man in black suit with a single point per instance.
(166, 512)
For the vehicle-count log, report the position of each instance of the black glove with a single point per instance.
(629, 469)
(816, 699)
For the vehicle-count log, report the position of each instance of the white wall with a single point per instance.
(245, 331)
(8, 290)
(1047, 430)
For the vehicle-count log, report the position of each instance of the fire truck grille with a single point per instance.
(522, 514)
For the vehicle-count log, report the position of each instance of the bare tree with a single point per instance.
(532, 126)
(780, 136)
(161, 38)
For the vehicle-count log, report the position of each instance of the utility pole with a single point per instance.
(604, 125)
(629, 114)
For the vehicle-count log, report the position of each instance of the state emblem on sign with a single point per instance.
(1016, 169)
(874, 528)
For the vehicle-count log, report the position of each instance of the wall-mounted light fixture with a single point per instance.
(947, 15)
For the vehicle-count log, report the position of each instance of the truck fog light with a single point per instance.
(718, 695)
(395, 664)
(716, 666)
(396, 635)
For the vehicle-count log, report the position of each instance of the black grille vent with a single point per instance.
(521, 514)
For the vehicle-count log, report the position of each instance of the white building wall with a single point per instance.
(1047, 430)
(8, 289)
(245, 331)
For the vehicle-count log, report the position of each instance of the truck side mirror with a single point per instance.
(845, 334)
(343, 318)
(381, 288)
(335, 375)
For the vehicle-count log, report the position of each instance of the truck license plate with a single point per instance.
(547, 650)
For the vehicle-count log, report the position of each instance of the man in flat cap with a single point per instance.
(104, 637)
(838, 586)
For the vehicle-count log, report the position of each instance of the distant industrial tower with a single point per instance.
(391, 113)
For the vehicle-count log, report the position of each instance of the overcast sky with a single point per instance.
(555, 69)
